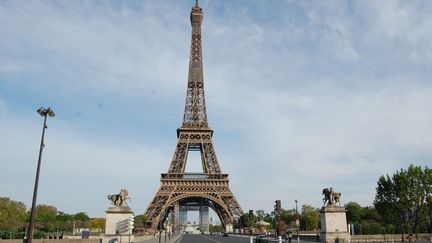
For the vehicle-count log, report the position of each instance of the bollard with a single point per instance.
(280, 239)
(251, 240)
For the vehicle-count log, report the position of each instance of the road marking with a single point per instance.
(179, 239)
(208, 238)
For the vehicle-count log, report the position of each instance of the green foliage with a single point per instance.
(14, 219)
(12, 214)
(403, 198)
(427, 183)
(401, 204)
(38, 234)
(260, 214)
(248, 220)
(371, 214)
(97, 224)
(62, 217)
(390, 229)
(81, 217)
(371, 228)
(310, 218)
(140, 221)
(215, 228)
(46, 218)
(288, 216)
(354, 213)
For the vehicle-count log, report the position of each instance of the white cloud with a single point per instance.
(77, 171)
(301, 96)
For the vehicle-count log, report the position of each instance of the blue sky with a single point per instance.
(301, 95)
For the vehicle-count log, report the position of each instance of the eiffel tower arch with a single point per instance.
(179, 188)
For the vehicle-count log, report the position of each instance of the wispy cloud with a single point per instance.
(302, 95)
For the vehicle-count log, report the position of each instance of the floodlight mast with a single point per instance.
(44, 113)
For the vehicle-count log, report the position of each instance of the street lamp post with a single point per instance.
(160, 230)
(297, 222)
(44, 113)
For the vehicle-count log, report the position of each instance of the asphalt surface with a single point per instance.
(218, 239)
(211, 239)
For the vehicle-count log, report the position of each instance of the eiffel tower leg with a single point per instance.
(157, 208)
(176, 217)
(204, 219)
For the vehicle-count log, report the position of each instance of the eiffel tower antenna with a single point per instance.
(209, 188)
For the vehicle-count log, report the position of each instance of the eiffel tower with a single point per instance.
(209, 188)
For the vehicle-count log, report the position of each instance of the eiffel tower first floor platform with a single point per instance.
(180, 189)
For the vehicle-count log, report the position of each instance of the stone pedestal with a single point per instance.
(229, 228)
(118, 228)
(334, 226)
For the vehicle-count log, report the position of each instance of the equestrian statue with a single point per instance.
(330, 197)
(119, 200)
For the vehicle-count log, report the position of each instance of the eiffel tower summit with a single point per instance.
(181, 191)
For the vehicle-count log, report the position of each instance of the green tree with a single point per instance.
(427, 183)
(288, 216)
(355, 212)
(13, 214)
(260, 214)
(81, 220)
(64, 222)
(46, 217)
(62, 217)
(248, 220)
(215, 228)
(402, 198)
(140, 222)
(97, 224)
(371, 214)
(81, 216)
(310, 218)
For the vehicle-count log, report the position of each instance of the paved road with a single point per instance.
(216, 239)
(211, 239)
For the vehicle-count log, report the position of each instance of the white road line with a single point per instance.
(208, 238)
(179, 239)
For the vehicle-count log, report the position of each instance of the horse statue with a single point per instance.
(119, 200)
(331, 197)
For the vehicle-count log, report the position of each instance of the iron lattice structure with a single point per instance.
(210, 187)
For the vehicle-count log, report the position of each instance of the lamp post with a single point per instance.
(297, 223)
(160, 230)
(44, 113)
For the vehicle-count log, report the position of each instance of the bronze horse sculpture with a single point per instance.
(331, 197)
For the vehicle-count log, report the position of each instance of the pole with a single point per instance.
(298, 225)
(33, 209)
(160, 230)
(275, 223)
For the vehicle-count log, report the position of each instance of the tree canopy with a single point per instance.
(405, 198)
(12, 214)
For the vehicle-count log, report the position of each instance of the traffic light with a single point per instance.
(250, 212)
(277, 206)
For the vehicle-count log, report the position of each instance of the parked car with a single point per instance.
(225, 235)
(261, 239)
